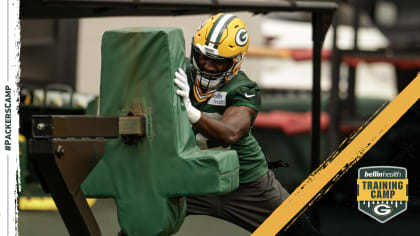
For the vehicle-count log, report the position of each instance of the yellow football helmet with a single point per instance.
(224, 39)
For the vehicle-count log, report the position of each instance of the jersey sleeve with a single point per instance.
(248, 95)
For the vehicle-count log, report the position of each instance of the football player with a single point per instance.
(222, 104)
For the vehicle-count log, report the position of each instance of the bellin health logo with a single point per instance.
(382, 191)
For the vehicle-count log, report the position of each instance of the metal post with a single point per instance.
(317, 37)
(334, 106)
(351, 91)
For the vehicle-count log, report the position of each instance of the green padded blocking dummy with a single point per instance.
(148, 180)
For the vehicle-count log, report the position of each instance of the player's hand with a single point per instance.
(181, 80)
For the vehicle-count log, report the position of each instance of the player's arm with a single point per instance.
(234, 123)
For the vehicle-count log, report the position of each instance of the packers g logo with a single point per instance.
(382, 191)
(241, 37)
(382, 209)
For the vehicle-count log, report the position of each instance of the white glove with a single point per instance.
(181, 81)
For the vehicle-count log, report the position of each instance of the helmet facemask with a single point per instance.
(208, 81)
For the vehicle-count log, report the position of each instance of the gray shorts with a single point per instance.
(249, 205)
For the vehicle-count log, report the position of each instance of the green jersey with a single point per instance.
(240, 91)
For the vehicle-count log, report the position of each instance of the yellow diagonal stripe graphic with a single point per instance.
(338, 163)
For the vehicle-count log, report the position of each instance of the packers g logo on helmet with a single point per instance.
(241, 37)
(222, 37)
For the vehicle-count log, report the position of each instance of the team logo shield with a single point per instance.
(382, 191)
